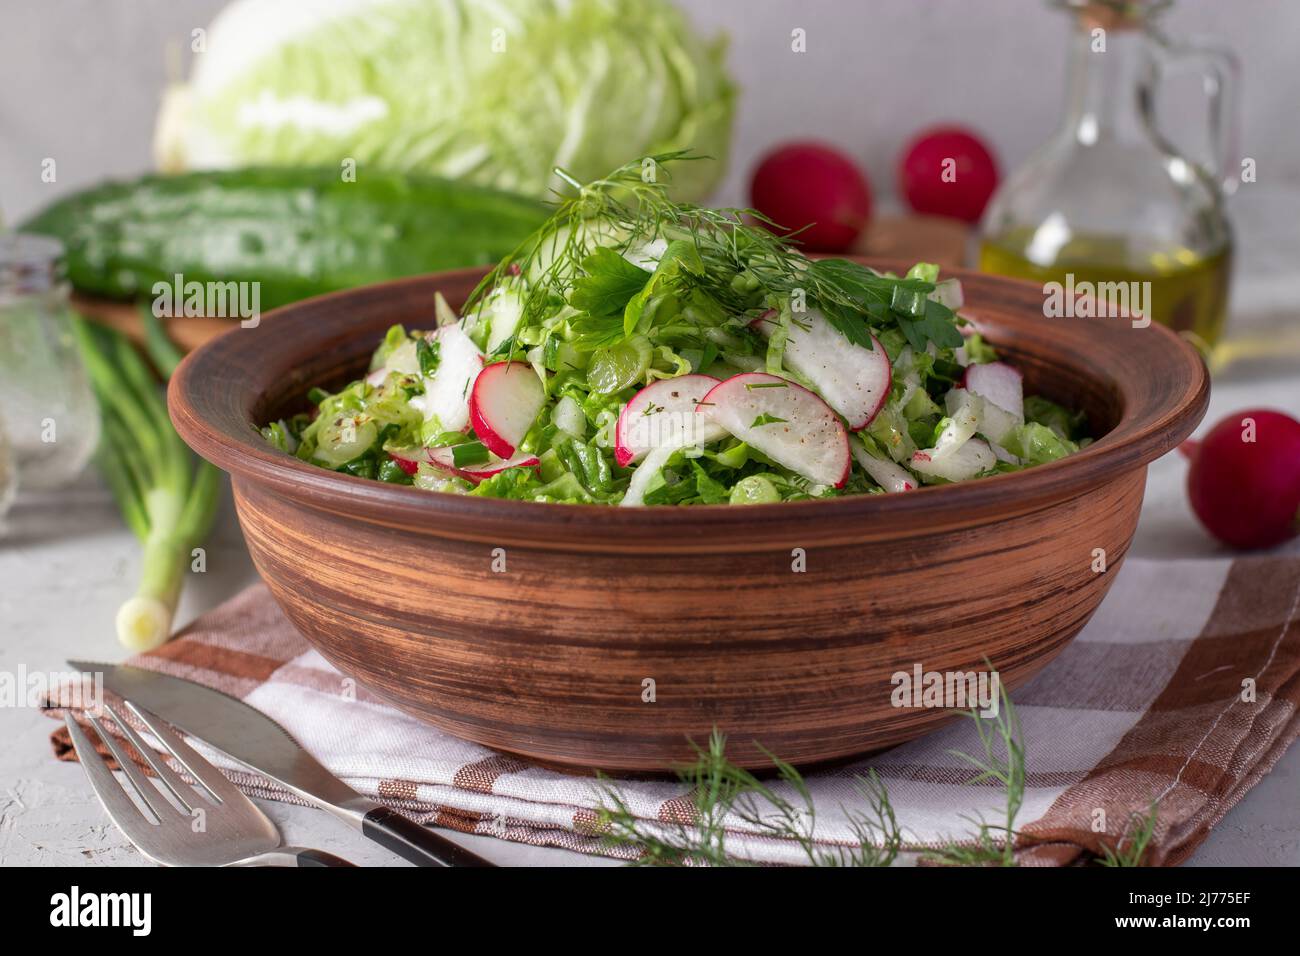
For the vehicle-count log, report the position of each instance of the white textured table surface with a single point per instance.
(66, 563)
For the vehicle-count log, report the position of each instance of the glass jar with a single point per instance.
(47, 409)
(1107, 199)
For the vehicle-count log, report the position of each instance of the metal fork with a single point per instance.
(210, 825)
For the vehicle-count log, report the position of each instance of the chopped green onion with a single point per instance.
(470, 453)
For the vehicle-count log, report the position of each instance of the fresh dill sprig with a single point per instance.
(718, 788)
(724, 253)
(1133, 842)
(1003, 761)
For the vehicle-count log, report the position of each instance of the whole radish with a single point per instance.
(814, 186)
(1244, 482)
(947, 171)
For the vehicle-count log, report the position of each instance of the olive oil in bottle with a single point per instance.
(1107, 198)
(1178, 287)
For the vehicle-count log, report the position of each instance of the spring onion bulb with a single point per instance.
(166, 499)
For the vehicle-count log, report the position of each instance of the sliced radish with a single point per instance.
(444, 459)
(446, 392)
(965, 462)
(784, 421)
(853, 380)
(998, 383)
(503, 405)
(663, 415)
(891, 477)
(406, 464)
(650, 466)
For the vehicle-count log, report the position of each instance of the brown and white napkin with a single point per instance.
(1182, 690)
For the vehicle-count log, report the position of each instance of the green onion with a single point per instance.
(167, 500)
(157, 344)
(470, 453)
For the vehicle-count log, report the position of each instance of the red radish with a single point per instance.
(998, 383)
(1244, 482)
(446, 394)
(809, 184)
(444, 459)
(855, 381)
(784, 421)
(891, 477)
(408, 466)
(663, 414)
(948, 171)
(503, 405)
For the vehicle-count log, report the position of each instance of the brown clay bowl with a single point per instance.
(549, 658)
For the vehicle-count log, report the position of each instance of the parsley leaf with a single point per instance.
(609, 283)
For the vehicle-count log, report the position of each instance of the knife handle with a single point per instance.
(294, 856)
(305, 857)
(416, 843)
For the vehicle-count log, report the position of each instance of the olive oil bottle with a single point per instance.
(1179, 287)
(1107, 199)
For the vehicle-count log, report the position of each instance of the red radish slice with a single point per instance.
(853, 380)
(406, 464)
(998, 383)
(663, 415)
(503, 405)
(784, 421)
(444, 459)
(965, 462)
(446, 393)
(893, 478)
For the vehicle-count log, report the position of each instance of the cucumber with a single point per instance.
(298, 232)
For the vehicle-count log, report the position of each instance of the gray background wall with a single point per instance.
(80, 80)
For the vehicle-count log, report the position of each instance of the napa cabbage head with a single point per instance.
(496, 92)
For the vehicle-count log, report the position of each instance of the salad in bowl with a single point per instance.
(639, 351)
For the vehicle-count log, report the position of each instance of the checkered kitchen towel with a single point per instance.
(1147, 704)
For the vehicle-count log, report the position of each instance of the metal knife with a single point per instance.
(247, 735)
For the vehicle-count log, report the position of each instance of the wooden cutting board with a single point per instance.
(910, 238)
